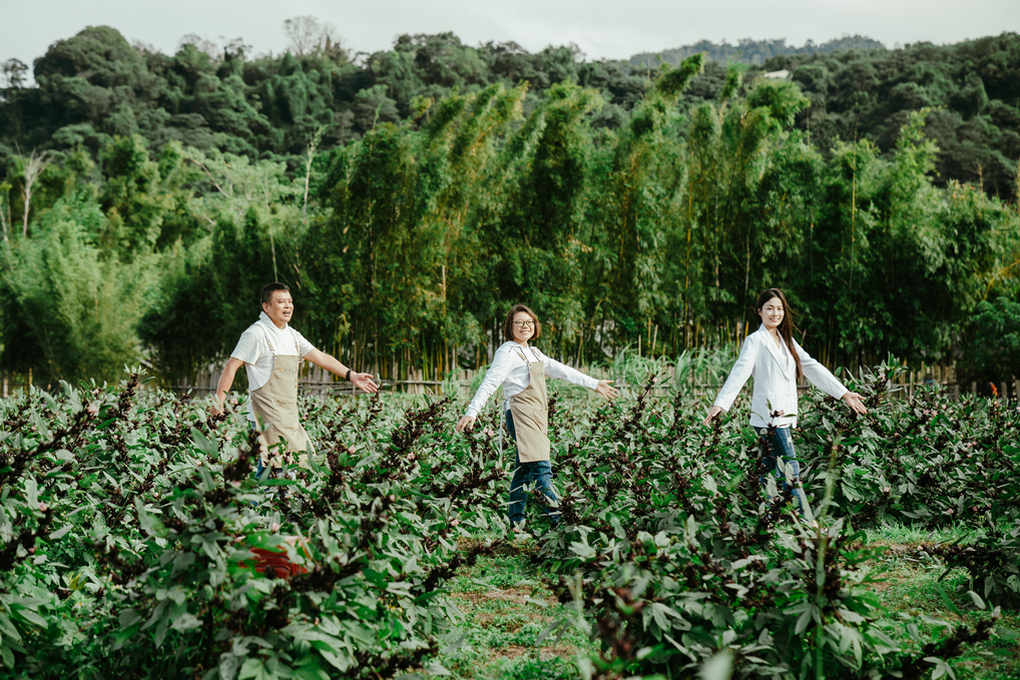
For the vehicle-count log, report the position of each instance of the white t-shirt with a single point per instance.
(510, 369)
(253, 349)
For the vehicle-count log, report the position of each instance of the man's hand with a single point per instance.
(364, 382)
(465, 423)
(606, 389)
(223, 385)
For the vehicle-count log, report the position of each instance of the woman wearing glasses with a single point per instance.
(522, 370)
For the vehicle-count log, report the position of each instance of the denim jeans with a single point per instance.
(780, 446)
(524, 474)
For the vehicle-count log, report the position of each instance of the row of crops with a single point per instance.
(133, 537)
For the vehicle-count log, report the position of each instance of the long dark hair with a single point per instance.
(786, 326)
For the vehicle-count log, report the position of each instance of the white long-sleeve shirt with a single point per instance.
(775, 379)
(510, 370)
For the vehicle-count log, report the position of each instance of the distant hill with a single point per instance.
(95, 86)
(755, 52)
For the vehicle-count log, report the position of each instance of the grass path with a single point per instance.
(512, 626)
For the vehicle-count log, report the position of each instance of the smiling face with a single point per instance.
(523, 327)
(280, 308)
(772, 313)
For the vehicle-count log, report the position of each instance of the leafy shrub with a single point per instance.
(993, 562)
(129, 521)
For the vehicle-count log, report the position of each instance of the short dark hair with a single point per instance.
(508, 324)
(270, 288)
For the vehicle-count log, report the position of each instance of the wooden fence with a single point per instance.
(315, 380)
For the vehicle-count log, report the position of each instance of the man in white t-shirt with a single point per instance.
(272, 352)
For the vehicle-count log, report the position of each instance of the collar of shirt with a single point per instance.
(525, 351)
(264, 318)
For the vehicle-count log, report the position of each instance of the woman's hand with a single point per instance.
(854, 401)
(465, 423)
(607, 390)
(716, 410)
(364, 382)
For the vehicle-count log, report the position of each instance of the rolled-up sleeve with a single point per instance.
(248, 347)
(303, 345)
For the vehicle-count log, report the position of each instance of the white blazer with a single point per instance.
(775, 379)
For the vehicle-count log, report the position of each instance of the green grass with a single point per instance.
(512, 626)
(506, 610)
(916, 584)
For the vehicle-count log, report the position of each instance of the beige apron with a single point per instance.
(275, 405)
(530, 409)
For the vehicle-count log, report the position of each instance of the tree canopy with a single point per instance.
(409, 197)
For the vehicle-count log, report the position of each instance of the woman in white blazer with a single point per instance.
(776, 361)
(521, 370)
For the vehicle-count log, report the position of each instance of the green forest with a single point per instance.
(410, 196)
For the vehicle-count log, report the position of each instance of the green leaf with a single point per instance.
(719, 667)
(7, 628)
(945, 599)
(29, 615)
(228, 666)
(254, 669)
(803, 621)
(204, 444)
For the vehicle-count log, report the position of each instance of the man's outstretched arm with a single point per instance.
(225, 382)
(363, 381)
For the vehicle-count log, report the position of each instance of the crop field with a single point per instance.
(135, 541)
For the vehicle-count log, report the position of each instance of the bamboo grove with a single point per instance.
(405, 246)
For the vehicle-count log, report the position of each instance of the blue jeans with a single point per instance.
(780, 445)
(524, 474)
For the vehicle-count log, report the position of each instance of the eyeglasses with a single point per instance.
(525, 323)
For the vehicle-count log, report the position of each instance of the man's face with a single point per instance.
(279, 308)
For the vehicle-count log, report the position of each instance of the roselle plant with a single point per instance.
(128, 544)
(129, 519)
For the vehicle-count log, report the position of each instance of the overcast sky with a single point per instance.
(601, 28)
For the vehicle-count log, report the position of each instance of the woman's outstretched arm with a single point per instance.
(739, 374)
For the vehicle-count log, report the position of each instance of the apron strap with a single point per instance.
(272, 350)
(502, 420)
(502, 412)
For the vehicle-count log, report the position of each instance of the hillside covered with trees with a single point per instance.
(752, 52)
(410, 196)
